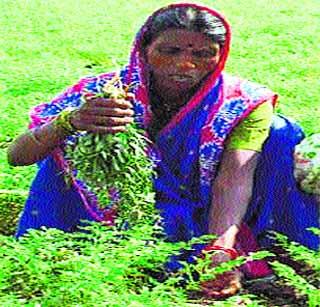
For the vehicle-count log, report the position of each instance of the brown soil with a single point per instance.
(275, 293)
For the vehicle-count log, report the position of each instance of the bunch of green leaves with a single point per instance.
(118, 162)
(308, 287)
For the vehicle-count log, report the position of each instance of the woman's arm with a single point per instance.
(97, 115)
(232, 191)
(233, 186)
(34, 145)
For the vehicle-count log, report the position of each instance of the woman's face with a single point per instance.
(179, 59)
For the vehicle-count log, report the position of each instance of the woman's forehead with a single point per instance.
(183, 37)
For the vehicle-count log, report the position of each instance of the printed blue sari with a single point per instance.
(277, 203)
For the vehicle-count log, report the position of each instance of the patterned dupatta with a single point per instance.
(188, 150)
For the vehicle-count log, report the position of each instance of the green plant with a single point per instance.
(96, 267)
(299, 283)
(116, 167)
(11, 204)
(291, 277)
(101, 265)
(301, 253)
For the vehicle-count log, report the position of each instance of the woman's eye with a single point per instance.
(169, 50)
(203, 54)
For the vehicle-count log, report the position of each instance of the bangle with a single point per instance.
(63, 121)
(231, 251)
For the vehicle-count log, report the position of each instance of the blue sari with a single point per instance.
(277, 204)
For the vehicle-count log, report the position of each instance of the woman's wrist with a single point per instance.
(53, 134)
(33, 135)
(63, 123)
(231, 252)
(49, 135)
(34, 145)
(228, 238)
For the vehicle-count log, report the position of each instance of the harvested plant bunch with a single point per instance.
(116, 164)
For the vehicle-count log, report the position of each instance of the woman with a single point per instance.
(208, 129)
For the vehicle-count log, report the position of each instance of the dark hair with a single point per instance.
(187, 18)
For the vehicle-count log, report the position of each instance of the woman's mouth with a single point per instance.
(181, 78)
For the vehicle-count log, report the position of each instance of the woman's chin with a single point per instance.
(176, 88)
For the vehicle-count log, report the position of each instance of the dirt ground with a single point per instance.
(276, 293)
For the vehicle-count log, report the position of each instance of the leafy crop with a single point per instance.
(298, 282)
(85, 269)
(97, 267)
(310, 286)
(80, 269)
(105, 266)
(116, 167)
(11, 204)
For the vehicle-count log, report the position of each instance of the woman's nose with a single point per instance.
(185, 61)
(186, 64)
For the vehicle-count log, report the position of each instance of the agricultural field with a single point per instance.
(47, 46)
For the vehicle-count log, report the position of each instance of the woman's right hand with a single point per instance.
(103, 115)
(98, 115)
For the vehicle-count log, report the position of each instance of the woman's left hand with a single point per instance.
(225, 284)
(232, 191)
